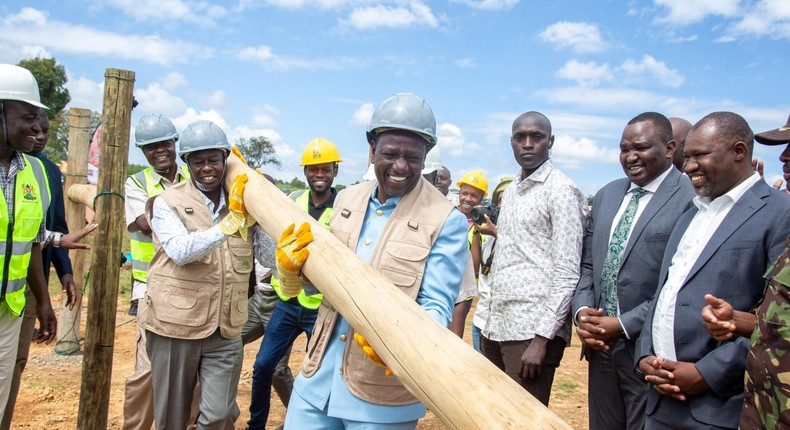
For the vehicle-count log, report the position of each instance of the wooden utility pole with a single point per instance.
(79, 143)
(105, 260)
(458, 384)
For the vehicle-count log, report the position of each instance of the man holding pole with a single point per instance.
(156, 136)
(295, 315)
(25, 200)
(412, 235)
(196, 300)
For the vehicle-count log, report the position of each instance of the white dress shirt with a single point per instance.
(699, 232)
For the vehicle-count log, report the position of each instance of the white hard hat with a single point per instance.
(17, 83)
(370, 174)
(433, 161)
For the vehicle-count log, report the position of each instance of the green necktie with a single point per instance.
(614, 257)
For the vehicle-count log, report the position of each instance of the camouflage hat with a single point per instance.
(777, 136)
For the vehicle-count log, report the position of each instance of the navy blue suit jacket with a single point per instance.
(731, 266)
(55, 221)
(639, 271)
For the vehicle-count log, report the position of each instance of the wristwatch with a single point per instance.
(56, 239)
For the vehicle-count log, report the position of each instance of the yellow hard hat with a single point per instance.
(320, 151)
(476, 179)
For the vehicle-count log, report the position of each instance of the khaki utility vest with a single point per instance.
(400, 255)
(191, 301)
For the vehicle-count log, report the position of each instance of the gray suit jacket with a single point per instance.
(731, 266)
(639, 271)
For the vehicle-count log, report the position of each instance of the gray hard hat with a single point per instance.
(404, 111)
(201, 135)
(154, 128)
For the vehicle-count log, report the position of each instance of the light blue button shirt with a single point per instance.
(440, 286)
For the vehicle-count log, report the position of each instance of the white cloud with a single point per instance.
(581, 37)
(573, 153)
(197, 12)
(606, 99)
(265, 56)
(191, 115)
(284, 150)
(685, 12)
(156, 98)
(589, 73)
(415, 13)
(361, 116)
(265, 116)
(247, 132)
(630, 71)
(174, 80)
(466, 63)
(322, 4)
(85, 93)
(216, 100)
(31, 27)
(769, 18)
(651, 68)
(452, 141)
(490, 4)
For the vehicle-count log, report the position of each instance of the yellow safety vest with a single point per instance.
(302, 199)
(141, 244)
(31, 201)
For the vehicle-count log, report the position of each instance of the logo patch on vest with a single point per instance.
(29, 193)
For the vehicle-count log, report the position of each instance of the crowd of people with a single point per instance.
(675, 280)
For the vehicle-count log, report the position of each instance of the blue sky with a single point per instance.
(294, 70)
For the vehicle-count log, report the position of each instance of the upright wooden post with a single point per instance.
(460, 386)
(79, 143)
(105, 270)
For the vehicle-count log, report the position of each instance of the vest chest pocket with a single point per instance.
(241, 257)
(180, 302)
(402, 263)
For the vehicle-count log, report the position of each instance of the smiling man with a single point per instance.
(624, 242)
(294, 315)
(196, 300)
(723, 246)
(156, 136)
(409, 232)
(536, 265)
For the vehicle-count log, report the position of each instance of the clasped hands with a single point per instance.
(677, 379)
(595, 330)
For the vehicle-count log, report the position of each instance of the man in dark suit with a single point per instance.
(721, 246)
(621, 263)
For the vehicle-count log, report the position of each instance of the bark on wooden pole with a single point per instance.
(77, 169)
(105, 270)
(457, 383)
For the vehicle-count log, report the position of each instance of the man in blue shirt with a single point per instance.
(410, 233)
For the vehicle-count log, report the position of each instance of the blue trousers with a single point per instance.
(287, 322)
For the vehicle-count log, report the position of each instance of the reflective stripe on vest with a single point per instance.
(31, 201)
(302, 199)
(140, 243)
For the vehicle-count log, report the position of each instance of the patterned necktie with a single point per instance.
(614, 257)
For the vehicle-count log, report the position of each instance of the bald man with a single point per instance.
(680, 128)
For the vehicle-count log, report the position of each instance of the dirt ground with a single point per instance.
(49, 396)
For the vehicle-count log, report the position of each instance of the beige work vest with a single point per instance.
(191, 301)
(400, 256)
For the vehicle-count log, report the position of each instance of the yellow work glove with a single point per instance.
(291, 253)
(238, 219)
(236, 151)
(368, 350)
